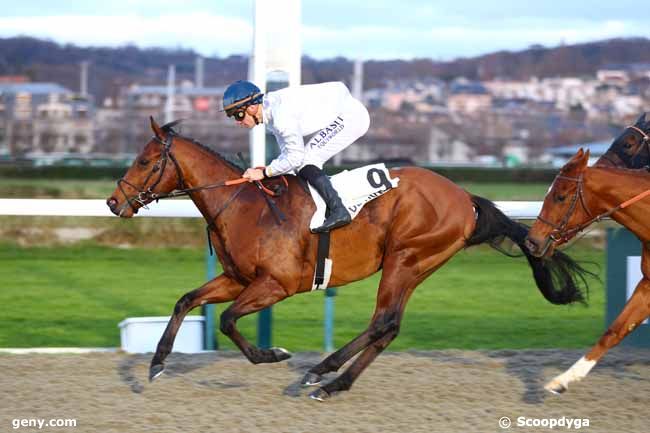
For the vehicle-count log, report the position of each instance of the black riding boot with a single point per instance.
(338, 214)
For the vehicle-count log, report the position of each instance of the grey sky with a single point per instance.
(377, 29)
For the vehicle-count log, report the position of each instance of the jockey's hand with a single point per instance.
(253, 174)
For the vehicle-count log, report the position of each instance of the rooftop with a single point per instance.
(596, 148)
(33, 88)
(179, 90)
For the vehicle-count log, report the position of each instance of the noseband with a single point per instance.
(146, 194)
(560, 231)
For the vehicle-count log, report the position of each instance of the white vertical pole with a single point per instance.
(198, 72)
(83, 85)
(169, 106)
(257, 74)
(294, 42)
(357, 80)
(357, 92)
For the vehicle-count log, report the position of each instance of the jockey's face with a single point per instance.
(250, 113)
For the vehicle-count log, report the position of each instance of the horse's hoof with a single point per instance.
(320, 394)
(555, 388)
(280, 354)
(155, 371)
(311, 379)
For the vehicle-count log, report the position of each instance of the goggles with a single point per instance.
(238, 115)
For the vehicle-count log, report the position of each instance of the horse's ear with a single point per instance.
(579, 161)
(155, 128)
(575, 161)
(641, 120)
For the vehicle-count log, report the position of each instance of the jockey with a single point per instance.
(326, 113)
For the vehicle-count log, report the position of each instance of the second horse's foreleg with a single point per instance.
(635, 311)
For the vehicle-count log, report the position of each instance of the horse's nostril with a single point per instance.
(531, 245)
(111, 202)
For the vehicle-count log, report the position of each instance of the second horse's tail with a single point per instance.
(557, 277)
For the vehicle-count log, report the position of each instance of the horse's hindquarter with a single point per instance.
(424, 215)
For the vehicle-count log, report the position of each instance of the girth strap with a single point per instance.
(321, 256)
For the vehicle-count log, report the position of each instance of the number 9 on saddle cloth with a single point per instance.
(356, 188)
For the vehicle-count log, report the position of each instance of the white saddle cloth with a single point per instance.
(356, 188)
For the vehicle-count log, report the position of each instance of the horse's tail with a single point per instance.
(557, 277)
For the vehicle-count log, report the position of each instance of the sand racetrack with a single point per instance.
(433, 391)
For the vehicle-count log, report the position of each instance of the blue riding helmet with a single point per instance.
(241, 94)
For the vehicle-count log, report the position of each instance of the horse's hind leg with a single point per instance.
(220, 289)
(635, 311)
(400, 277)
(345, 380)
(263, 292)
(344, 354)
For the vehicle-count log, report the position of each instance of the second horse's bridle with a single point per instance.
(560, 231)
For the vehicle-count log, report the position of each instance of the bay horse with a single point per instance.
(631, 149)
(408, 233)
(579, 196)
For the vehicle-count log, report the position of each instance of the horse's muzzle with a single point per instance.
(112, 204)
(533, 247)
(122, 211)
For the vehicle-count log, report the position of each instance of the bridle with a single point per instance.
(645, 140)
(645, 144)
(561, 233)
(146, 194)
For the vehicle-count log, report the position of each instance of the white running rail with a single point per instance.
(178, 208)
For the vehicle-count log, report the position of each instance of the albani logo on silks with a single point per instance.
(326, 134)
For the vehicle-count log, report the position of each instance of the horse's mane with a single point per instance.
(643, 173)
(169, 129)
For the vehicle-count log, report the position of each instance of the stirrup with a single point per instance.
(331, 225)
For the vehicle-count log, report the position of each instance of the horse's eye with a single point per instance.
(560, 198)
(143, 162)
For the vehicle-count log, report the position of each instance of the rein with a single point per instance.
(148, 195)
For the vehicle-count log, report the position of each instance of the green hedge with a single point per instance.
(482, 174)
(456, 174)
(57, 172)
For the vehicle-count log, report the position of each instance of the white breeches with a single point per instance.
(345, 129)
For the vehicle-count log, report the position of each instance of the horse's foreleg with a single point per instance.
(635, 311)
(220, 289)
(263, 292)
